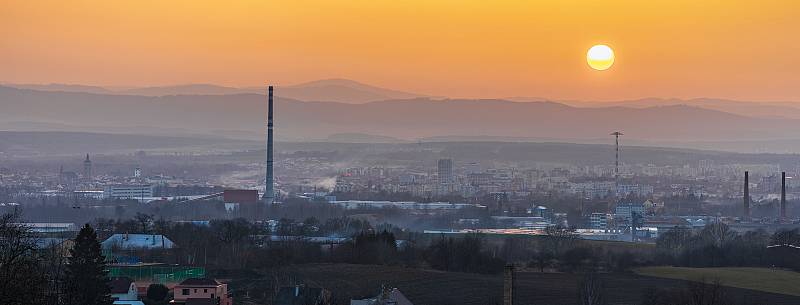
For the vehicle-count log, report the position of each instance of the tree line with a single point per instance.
(717, 245)
(33, 272)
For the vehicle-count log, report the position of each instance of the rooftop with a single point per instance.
(120, 284)
(199, 282)
(138, 241)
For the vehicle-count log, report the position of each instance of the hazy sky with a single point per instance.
(732, 49)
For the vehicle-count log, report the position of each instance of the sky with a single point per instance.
(745, 50)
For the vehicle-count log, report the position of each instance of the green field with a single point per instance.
(761, 279)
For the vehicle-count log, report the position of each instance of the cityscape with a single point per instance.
(296, 186)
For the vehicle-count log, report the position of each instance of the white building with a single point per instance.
(129, 191)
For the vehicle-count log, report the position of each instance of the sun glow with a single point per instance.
(600, 57)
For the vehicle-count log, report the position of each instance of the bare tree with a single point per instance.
(21, 279)
(559, 238)
(144, 221)
(706, 293)
(592, 291)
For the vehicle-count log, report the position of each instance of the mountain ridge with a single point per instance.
(415, 118)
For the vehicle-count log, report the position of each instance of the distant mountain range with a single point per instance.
(328, 90)
(318, 112)
(757, 109)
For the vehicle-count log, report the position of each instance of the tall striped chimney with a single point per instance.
(269, 191)
(746, 194)
(783, 195)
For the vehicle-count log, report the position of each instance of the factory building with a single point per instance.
(129, 191)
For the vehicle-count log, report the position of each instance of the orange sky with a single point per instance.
(732, 49)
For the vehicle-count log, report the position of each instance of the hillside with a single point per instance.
(326, 90)
(404, 119)
(745, 108)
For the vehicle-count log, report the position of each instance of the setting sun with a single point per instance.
(600, 57)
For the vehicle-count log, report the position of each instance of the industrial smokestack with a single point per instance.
(783, 195)
(269, 191)
(508, 285)
(746, 194)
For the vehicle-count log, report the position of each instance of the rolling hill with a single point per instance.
(326, 90)
(243, 115)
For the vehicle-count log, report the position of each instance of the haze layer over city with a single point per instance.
(415, 152)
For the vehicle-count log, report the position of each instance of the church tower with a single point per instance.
(87, 169)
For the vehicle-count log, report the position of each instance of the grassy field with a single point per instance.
(761, 279)
(430, 287)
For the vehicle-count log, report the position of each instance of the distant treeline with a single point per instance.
(716, 245)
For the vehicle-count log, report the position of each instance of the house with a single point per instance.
(50, 227)
(138, 241)
(303, 295)
(201, 291)
(60, 245)
(387, 297)
(123, 289)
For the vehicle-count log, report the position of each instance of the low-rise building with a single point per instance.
(129, 191)
(138, 241)
(123, 289)
(127, 249)
(201, 291)
(50, 227)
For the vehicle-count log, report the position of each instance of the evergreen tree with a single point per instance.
(157, 294)
(86, 274)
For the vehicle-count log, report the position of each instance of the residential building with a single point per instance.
(596, 189)
(201, 291)
(598, 221)
(626, 212)
(123, 289)
(445, 167)
(634, 189)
